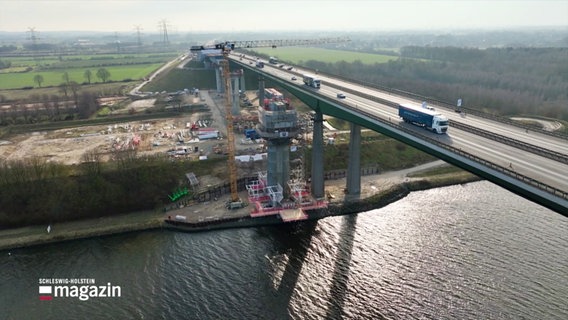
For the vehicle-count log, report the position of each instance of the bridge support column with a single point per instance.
(235, 108)
(317, 157)
(260, 91)
(242, 83)
(354, 162)
(219, 80)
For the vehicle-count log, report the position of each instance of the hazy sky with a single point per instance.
(291, 15)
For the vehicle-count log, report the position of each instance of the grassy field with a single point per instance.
(297, 54)
(121, 67)
(54, 77)
(179, 79)
(88, 60)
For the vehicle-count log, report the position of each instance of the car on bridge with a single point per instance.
(294, 78)
(341, 95)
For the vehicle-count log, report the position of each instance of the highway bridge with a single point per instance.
(531, 163)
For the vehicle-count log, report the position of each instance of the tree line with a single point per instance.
(38, 192)
(54, 107)
(504, 81)
(102, 73)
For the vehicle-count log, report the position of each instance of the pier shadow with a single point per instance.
(340, 278)
(294, 240)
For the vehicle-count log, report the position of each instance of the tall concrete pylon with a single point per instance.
(354, 163)
(219, 80)
(317, 183)
(235, 108)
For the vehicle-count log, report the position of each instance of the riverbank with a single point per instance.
(376, 191)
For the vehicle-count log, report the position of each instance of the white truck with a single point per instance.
(424, 117)
(312, 81)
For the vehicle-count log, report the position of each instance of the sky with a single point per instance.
(291, 15)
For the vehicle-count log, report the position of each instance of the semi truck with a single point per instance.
(424, 117)
(312, 81)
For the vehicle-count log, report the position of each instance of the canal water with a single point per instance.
(472, 251)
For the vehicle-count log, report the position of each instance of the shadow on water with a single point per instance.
(293, 240)
(340, 276)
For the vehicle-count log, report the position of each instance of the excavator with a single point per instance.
(226, 47)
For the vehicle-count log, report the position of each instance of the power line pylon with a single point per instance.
(163, 26)
(138, 36)
(34, 38)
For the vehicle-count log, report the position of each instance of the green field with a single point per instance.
(54, 77)
(297, 54)
(121, 67)
(88, 60)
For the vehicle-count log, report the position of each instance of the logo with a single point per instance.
(82, 289)
(45, 293)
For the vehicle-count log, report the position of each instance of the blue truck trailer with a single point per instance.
(423, 116)
(252, 134)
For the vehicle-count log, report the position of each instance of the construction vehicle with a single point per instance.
(226, 48)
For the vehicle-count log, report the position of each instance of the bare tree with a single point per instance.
(55, 104)
(14, 110)
(88, 75)
(92, 163)
(65, 77)
(74, 87)
(64, 88)
(88, 104)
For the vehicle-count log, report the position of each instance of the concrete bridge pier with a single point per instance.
(235, 99)
(260, 91)
(242, 83)
(317, 184)
(219, 80)
(354, 162)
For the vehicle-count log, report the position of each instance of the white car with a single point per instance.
(340, 95)
(294, 78)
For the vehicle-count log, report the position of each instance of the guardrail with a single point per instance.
(494, 166)
(557, 156)
(419, 97)
(511, 173)
(535, 183)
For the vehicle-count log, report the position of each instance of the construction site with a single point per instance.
(256, 129)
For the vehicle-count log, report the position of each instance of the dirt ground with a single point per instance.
(68, 146)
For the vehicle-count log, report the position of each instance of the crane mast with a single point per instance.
(234, 202)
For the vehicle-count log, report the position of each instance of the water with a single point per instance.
(463, 252)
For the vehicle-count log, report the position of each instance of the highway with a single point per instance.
(538, 167)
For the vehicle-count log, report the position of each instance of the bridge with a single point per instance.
(532, 164)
